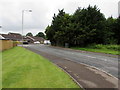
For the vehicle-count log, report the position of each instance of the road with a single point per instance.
(101, 61)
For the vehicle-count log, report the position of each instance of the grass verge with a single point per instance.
(108, 49)
(25, 69)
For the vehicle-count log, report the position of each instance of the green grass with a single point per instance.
(25, 69)
(108, 49)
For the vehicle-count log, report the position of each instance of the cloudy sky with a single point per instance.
(43, 11)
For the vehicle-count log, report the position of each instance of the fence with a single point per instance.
(7, 44)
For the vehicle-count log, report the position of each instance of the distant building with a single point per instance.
(119, 8)
(18, 37)
(31, 39)
(12, 36)
(1, 37)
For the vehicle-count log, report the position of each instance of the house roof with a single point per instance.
(17, 36)
(35, 38)
(38, 38)
(30, 38)
(1, 37)
(12, 36)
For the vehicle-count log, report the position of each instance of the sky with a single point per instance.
(43, 11)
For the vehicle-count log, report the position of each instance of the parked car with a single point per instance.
(25, 42)
(37, 42)
(47, 42)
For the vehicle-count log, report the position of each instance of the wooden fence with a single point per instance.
(7, 44)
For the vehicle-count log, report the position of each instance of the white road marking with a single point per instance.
(104, 59)
(91, 56)
(98, 58)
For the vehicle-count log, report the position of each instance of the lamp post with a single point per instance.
(23, 21)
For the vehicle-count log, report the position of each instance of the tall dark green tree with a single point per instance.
(50, 34)
(116, 30)
(57, 31)
(86, 26)
(109, 32)
(89, 26)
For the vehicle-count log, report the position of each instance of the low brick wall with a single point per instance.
(6, 44)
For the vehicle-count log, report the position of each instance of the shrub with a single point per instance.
(100, 46)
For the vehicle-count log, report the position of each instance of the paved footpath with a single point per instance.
(86, 76)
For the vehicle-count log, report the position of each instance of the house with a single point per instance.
(12, 36)
(1, 37)
(31, 39)
(18, 37)
(40, 39)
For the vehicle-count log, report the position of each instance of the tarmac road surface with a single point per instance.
(102, 61)
(85, 75)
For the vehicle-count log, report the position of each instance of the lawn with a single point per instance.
(25, 69)
(108, 49)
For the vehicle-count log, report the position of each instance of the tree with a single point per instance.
(86, 26)
(29, 34)
(109, 32)
(112, 31)
(89, 26)
(57, 32)
(116, 30)
(50, 34)
(40, 34)
(117, 34)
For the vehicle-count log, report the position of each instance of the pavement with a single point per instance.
(78, 65)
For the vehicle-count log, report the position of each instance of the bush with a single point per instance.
(113, 47)
(96, 46)
(100, 46)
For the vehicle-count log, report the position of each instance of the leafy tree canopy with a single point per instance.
(40, 34)
(86, 26)
(29, 34)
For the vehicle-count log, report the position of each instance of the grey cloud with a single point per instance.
(43, 10)
(38, 18)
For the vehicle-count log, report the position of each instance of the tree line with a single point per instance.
(86, 26)
(40, 34)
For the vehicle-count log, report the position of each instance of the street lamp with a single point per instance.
(23, 21)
